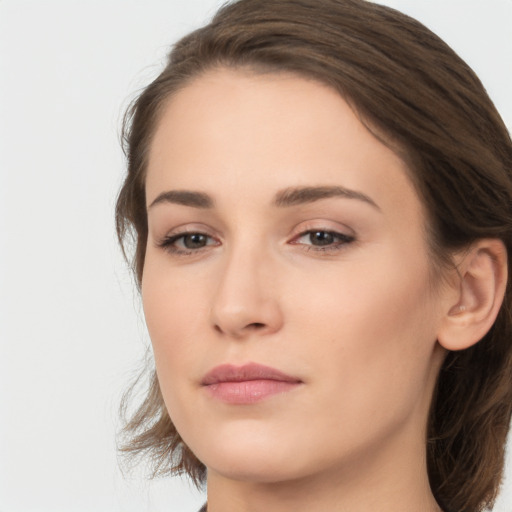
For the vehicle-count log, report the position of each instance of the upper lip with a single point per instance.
(251, 371)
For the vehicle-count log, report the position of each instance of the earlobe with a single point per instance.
(482, 282)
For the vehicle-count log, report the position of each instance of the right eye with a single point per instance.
(323, 240)
(187, 242)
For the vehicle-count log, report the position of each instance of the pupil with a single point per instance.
(194, 241)
(322, 238)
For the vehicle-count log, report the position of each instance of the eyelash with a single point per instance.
(168, 243)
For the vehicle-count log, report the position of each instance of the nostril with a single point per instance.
(256, 325)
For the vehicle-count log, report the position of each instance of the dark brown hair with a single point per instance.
(409, 86)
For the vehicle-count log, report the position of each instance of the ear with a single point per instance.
(480, 288)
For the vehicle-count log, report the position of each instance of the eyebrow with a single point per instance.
(292, 196)
(185, 198)
(302, 195)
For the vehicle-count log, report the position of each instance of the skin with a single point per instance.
(357, 320)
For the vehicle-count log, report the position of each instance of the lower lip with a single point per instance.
(249, 391)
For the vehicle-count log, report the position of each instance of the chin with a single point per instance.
(250, 457)
(260, 470)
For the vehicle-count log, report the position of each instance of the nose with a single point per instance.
(246, 300)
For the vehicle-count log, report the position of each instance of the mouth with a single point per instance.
(247, 384)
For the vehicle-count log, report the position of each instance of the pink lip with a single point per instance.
(247, 384)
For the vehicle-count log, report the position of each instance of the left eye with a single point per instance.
(186, 242)
(320, 238)
(194, 240)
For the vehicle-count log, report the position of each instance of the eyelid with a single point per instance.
(322, 225)
(188, 228)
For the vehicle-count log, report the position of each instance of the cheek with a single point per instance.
(371, 326)
(169, 308)
(174, 310)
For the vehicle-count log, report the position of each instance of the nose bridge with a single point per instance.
(246, 300)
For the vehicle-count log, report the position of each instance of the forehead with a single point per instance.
(265, 132)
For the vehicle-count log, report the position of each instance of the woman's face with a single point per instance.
(283, 234)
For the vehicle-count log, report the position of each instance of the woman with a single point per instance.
(320, 196)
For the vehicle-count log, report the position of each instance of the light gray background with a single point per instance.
(71, 328)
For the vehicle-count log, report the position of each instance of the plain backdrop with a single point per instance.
(71, 329)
